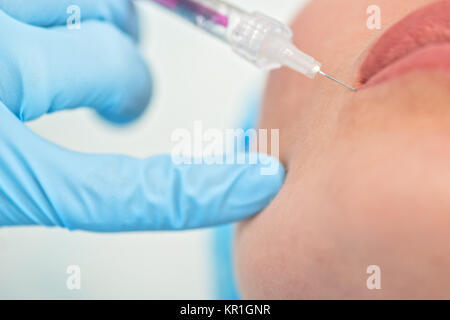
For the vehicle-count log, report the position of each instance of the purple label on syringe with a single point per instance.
(193, 8)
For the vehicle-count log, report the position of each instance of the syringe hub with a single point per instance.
(267, 43)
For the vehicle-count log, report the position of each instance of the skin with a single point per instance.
(368, 178)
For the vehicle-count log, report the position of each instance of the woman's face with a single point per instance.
(368, 172)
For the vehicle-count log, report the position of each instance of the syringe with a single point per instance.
(262, 40)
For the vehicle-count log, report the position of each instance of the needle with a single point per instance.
(336, 80)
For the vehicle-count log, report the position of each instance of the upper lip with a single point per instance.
(425, 26)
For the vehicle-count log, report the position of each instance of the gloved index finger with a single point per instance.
(49, 13)
(44, 184)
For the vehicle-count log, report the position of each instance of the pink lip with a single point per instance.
(419, 41)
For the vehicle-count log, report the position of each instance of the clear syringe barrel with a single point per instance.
(213, 16)
(262, 40)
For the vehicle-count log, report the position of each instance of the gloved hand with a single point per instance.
(45, 67)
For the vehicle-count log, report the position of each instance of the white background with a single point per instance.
(196, 78)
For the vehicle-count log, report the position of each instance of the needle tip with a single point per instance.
(336, 80)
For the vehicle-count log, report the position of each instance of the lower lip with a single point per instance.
(431, 57)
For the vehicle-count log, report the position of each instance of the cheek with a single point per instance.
(316, 239)
(363, 200)
(282, 255)
(284, 108)
(288, 251)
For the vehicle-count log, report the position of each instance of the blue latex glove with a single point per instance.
(46, 68)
